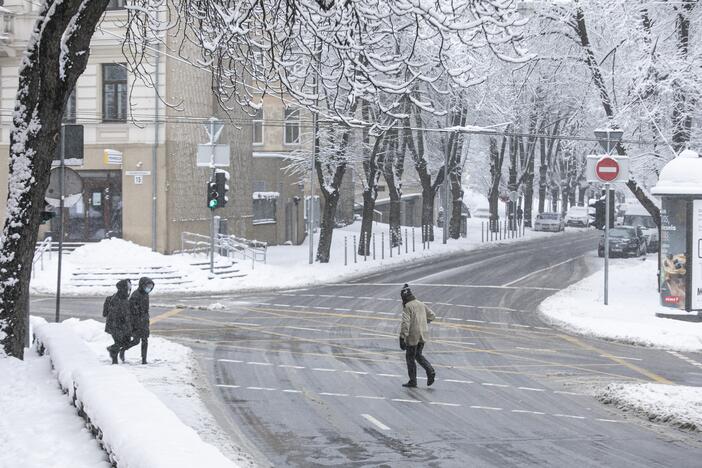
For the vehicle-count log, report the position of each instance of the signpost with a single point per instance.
(608, 169)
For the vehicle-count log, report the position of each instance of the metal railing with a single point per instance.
(39, 251)
(229, 246)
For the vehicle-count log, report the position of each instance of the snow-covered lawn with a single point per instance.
(631, 314)
(38, 425)
(286, 267)
(678, 405)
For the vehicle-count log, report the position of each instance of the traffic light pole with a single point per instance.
(606, 247)
(62, 180)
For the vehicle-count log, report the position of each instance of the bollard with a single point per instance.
(499, 229)
(355, 252)
(482, 231)
(373, 246)
(406, 244)
(399, 247)
(413, 250)
(365, 246)
(390, 242)
(382, 246)
(429, 229)
(346, 251)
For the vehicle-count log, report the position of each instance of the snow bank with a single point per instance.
(133, 425)
(678, 405)
(38, 427)
(631, 314)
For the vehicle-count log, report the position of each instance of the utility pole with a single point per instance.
(62, 181)
(446, 191)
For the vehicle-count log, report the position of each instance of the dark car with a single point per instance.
(624, 241)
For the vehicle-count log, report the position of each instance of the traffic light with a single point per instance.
(212, 195)
(221, 182)
(598, 217)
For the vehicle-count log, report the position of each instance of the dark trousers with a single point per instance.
(412, 354)
(144, 346)
(121, 342)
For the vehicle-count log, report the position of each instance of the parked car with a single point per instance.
(549, 222)
(481, 213)
(624, 241)
(577, 216)
(638, 216)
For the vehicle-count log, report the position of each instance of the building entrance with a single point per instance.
(98, 213)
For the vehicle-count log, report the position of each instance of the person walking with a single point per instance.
(118, 323)
(139, 314)
(413, 335)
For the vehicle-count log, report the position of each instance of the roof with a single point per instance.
(681, 176)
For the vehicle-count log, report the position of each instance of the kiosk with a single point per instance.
(680, 189)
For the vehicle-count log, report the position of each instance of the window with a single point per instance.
(69, 113)
(259, 186)
(114, 92)
(116, 4)
(257, 127)
(292, 126)
(264, 210)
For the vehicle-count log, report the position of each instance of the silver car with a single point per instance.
(552, 222)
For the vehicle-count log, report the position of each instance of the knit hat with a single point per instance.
(406, 291)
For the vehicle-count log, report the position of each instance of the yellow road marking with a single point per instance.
(635, 368)
(165, 315)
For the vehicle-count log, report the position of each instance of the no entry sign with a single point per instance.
(607, 169)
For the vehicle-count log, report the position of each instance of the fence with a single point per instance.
(39, 252)
(369, 253)
(229, 246)
(501, 230)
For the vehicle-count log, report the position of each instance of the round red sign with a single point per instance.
(607, 169)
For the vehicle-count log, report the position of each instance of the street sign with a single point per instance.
(607, 172)
(112, 157)
(607, 169)
(206, 152)
(72, 190)
(214, 127)
(608, 138)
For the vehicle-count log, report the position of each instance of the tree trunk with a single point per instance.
(428, 196)
(496, 160)
(554, 199)
(393, 169)
(512, 181)
(47, 77)
(371, 168)
(326, 228)
(457, 203)
(543, 175)
(580, 28)
(682, 107)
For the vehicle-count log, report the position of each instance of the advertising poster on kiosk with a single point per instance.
(696, 260)
(674, 265)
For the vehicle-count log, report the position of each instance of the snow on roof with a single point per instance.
(681, 176)
(265, 195)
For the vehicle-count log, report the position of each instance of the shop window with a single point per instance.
(114, 92)
(264, 210)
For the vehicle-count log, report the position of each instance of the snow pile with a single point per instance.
(39, 428)
(631, 314)
(678, 405)
(111, 253)
(681, 176)
(133, 425)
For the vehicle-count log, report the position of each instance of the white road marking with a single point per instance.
(355, 372)
(377, 334)
(369, 397)
(375, 422)
(560, 392)
(342, 310)
(321, 308)
(229, 360)
(441, 285)
(303, 328)
(526, 412)
(334, 394)
(457, 319)
(388, 375)
(323, 369)
(542, 350)
(488, 384)
(290, 366)
(365, 298)
(569, 416)
(487, 408)
(623, 357)
(499, 323)
(610, 420)
(458, 381)
(520, 326)
(289, 390)
(345, 297)
(281, 305)
(384, 313)
(228, 386)
(686, 359)
(402, 400)
(260, 388)
(438, 403)
(368, 311)
(511, 283)
(326, 295)
(254, 363)
(475, 321)
(532, 389)
(300, 306)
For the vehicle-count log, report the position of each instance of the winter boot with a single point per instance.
(113, 355)
(144, 349)
(410, 384)
(121, 354)
(430, 378)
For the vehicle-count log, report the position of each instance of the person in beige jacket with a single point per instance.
(413, 334)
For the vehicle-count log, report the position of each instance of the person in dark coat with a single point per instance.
(139, 314)
(414, 333)
(118, 323)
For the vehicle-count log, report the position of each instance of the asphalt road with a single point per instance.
(312, 377)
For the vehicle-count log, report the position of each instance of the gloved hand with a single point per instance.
(403, 346)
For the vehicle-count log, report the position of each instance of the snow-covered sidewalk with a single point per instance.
(631, 317)
(38, 425)
(287, 266)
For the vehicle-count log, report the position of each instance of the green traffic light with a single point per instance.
(213, 203)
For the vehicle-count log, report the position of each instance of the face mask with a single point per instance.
(148, 289)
